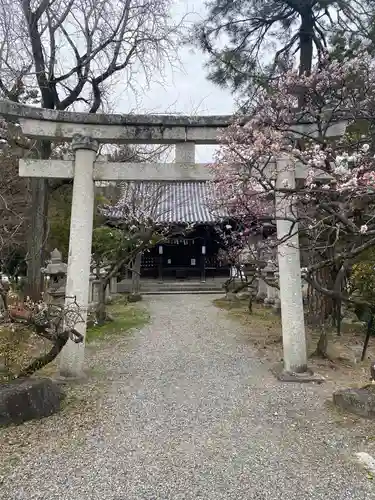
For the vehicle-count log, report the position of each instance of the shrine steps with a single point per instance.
(170, 287)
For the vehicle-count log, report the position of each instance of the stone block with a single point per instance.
(113, 285)
(134, 297)
(28, 399)
(277, 307)
(359, 401)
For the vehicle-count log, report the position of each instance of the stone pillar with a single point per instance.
(81, 224)
(292, 317)
(305, 289)
(136, 274)
(113, 285)
(91, 286)
(95, 291)
(185, 152)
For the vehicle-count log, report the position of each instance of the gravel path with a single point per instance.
(193, 414)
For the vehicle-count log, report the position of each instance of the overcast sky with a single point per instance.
(184, 90)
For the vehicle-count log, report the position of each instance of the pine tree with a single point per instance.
(262, 37)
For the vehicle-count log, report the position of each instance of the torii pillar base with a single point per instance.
(307, 376)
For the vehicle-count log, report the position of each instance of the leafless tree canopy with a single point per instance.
(14, 202)
(60, 52)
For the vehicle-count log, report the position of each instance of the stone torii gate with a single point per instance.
(86, 132)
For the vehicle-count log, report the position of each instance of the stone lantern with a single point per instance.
(269, 274)
(250, 269)
(56, 271)
(261, 285)
(277, 302)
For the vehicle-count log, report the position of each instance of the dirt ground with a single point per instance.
(263, 330)
(343, 369)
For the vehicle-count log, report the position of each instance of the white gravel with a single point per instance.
(192, 413)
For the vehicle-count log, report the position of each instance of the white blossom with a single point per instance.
(353, 158)
(340, 169)
(363, 229)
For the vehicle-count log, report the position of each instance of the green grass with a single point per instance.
(125, 316)
(228, 305)
(261, 316)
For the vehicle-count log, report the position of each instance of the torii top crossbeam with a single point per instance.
(131, 128)
(116, 128)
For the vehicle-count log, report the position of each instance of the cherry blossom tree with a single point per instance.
(333, 207)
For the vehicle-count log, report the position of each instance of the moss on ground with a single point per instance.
(264, 318)
(125, 317)
(265, 325)
(19, 345)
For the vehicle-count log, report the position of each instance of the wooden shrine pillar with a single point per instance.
(203, 261)
(160, 262)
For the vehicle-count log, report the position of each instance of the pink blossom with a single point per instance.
(244, 169)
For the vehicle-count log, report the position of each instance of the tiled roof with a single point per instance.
(167, 202)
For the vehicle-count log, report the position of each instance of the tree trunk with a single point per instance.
(36, 238)
(250, 304)
(3, 302)
(320, 307)
(306, 49)
(39, 191)
(46, 358)
(306, 42)
(136, 274)
(322, 346)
